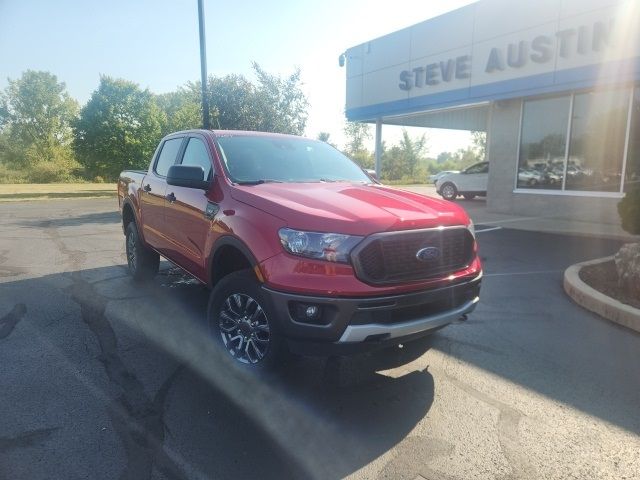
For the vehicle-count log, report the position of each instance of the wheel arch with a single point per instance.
(128, 214)
(229, 254)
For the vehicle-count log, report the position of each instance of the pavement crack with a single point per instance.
(27, 439)
(507, 427)
(137, 418)
(11, 319)
(6, 270)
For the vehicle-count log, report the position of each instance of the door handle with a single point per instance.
(171, 197)
(147, 188)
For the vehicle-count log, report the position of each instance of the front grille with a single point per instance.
(387, 258)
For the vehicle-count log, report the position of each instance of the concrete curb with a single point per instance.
(597, 302)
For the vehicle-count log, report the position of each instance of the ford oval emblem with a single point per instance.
(427, 254)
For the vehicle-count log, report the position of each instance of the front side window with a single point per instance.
(543, 143)
(598, 132)
(196, 154)
(478, 168)
(167, 156)
(286, 159)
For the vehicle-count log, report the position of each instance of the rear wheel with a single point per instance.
(449, 191)
(242, 322)
(468, 196)
(142, 261)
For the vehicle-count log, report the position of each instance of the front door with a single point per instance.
(187, 219)
(475, 178)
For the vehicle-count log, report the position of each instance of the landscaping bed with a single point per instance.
(604, 278)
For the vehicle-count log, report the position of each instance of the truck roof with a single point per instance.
(247, 133)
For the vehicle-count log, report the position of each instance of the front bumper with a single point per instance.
(348, 325)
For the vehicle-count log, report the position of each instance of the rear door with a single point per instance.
(187, 226)
(152, 196)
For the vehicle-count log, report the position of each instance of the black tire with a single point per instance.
(142, 261)
(243, 323)
(449, 191)
(468, 196)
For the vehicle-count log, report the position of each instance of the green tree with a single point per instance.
(412, 151)
(182, 110)
(273, 104)
(394, 163)
(281, 101)
(118, 128)
(324, 136)
(444, 157)
(356, 134)
(36, 114)
(355, 149)
(479, 142)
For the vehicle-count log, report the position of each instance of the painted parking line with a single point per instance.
(491, 229)
(534, 272)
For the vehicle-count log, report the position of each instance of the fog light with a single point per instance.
(306, 313)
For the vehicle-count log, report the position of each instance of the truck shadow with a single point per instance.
(316, 418)
(98, 218)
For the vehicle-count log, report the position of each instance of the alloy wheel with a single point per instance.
(244, 328)
(448, 191)
(131, 252)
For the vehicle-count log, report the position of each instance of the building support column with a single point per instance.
(378, 146)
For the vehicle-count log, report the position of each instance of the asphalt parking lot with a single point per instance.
(103, 379)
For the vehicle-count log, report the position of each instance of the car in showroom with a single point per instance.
(470, 183)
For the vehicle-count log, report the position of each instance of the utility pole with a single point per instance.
(203, 69)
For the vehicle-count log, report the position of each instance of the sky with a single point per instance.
(155, 44)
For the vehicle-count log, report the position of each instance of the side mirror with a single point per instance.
(190, 176)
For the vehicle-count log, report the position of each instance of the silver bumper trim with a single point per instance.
(358, 333)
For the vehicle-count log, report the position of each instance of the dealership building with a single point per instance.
(554, 83)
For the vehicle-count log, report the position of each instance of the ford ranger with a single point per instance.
(302, 250)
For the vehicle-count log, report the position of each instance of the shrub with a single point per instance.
(629, 210)
(9, 175)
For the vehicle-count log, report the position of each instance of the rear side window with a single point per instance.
(478, 168)
(196, 154)
(168, 156)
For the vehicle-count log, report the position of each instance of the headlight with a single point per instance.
(332, 247)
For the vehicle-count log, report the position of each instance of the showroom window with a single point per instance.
(598, 133)
(592, 158)
(632, 172)
(543, 143)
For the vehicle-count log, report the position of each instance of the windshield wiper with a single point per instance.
(257, 182)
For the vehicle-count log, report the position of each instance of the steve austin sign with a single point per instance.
(541, 49)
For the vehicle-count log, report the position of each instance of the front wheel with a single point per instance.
(242, 322)
(449, 191)
(142, 261)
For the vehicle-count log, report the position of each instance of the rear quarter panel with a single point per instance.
(129, 185)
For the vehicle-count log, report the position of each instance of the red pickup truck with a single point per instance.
(302, 249)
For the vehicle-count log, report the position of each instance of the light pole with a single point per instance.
(203, 68)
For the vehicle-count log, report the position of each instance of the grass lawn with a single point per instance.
(45, 191)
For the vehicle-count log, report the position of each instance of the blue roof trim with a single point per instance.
(562, 80)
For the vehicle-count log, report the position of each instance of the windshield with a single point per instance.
(250, 159)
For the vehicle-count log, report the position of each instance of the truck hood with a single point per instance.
(347, 208)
